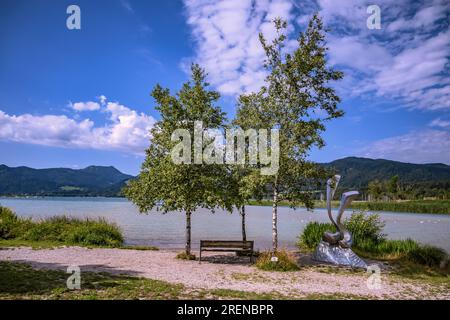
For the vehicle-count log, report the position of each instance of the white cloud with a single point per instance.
(102, 99)
(438, 122)
(126, 130)
(85, 106)
(426, 146)
(418, 75)
(407, 60)
(226, 35)
(127, 5)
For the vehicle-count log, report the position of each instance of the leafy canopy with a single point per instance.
(296, 99)
(180, 187)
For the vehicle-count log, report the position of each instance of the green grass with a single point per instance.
(37, 245)
(60, 230)
(412, 206)
(20, 281)
(415, 206)
(184, 256)
(286, 262)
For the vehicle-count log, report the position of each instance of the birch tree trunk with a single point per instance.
(244, 234)
(275, 220)
(188, 233)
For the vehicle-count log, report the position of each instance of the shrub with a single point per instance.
(365, 227)
(97, 233)
(11, 226)
(61, 229)
(8, 223)
(427, 255)
(185, 256)
(286, 262)
(313, 233)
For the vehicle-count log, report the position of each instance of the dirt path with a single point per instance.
(235, 274)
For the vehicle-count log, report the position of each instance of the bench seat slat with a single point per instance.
(226, 244)
(226, 249)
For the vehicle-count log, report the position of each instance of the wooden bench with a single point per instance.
(226, 246)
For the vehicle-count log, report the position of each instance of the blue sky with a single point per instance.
(72, 98)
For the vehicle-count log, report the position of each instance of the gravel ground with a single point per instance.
(223, 272)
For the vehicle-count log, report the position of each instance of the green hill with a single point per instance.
(358, 172)
(93, 180)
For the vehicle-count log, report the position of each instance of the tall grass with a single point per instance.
(286, 262)
(60, 229)
(369, 240)
(418, 206)
(413, 206)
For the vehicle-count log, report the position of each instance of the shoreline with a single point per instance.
(440, 207)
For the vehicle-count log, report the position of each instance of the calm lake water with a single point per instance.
(167, 231)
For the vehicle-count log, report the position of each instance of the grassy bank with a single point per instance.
(59, 230)
(413, 206)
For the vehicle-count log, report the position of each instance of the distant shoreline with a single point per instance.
(407, 206)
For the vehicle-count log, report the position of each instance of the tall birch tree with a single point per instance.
(170, 186)
(297, 99)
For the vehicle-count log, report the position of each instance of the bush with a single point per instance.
(12, 226)
(8, 223)
(286, 262)
(61, 229)
(365, 227)
(98, 233)
(313, 233)
(427, 255)
(185, 256)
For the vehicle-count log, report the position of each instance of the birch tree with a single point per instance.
(169, 186)
(296, 99)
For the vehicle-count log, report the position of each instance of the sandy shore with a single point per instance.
(224, 272)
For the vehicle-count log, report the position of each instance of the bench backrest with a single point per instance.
(226, 244)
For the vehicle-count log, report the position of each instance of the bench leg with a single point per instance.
(200, 256)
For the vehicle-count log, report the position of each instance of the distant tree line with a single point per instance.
(395, 189)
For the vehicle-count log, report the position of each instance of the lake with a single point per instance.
(168, 230)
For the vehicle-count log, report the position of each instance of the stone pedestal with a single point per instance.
(335, 254)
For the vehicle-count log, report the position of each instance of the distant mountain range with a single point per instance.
(358, 172)
(108, 181)
(90, 181)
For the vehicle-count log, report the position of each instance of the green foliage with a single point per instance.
(427, 255)
(8, 224)
(419, 206)
(186, 186)
(60, 229)
(286, 262)
(415, 181)
(313, 233)
(298, 85)
(20, 281)
(185, 256)
(90, 181)
(365, 227)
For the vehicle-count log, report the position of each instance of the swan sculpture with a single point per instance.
(335, 247)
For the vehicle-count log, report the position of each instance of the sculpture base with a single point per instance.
(337, 255)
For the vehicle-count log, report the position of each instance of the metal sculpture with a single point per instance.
(335, 247)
